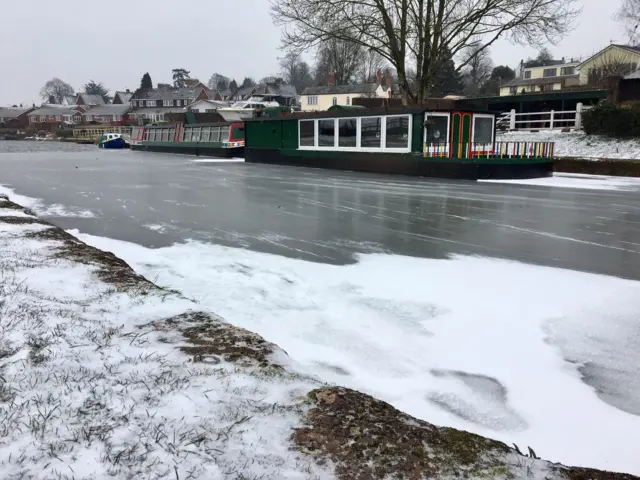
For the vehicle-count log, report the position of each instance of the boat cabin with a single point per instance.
(414, 141)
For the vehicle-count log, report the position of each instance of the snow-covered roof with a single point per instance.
(13, 112)
(109, 109)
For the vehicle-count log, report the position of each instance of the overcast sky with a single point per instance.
(115, 42)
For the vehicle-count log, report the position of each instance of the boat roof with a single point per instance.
(193, 125)
(366, 112)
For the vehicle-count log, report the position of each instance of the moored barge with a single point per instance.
(411, 141)
(215, 139)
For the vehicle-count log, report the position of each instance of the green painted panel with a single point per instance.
(466, 134)
(417, 138)
(264, 134)
(289, 134)
(455, 135)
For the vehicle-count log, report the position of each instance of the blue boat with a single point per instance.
(113, 141)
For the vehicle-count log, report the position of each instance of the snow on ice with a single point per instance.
(490, 346)
(577, 180)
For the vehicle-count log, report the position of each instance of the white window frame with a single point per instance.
(150, 103)
(167, 103)
(482, 147)
(473, 126)
(312, 100)
(437, 114)
(358, 147)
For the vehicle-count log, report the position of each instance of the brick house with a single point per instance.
(154, 103)
(15, 117)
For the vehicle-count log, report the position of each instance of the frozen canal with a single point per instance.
(507, 309)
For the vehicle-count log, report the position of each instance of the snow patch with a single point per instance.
(573, 180)
(44, 210)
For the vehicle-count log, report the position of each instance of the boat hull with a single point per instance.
(406, 164)
(114, 144)
(193, 149)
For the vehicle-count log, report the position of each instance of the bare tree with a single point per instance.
(295, 71)
(607, 67)
(418, 34)
(370, 63)
(479, 67)
(56, 90)
(340, 57)
(629, 16)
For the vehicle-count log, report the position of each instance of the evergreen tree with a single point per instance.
(447, 80)
(179, 75)
(248, 82)
(146, 81)
(233, 86)
(93, 88)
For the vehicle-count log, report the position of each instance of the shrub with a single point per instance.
(612, 120)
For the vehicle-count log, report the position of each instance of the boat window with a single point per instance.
(327, 133)
(370, 132)
(483, 128)
(348, 132)
(172, 134)
(215, 134)
(165, 134)
(206, 134)
(436, 128)
(224, 134)
(307, 133)
(397, 132)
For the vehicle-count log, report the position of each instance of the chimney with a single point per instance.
(331, 80)
(388, 73)
(379, 77)
(128, 91)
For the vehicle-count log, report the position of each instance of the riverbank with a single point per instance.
(104, 373)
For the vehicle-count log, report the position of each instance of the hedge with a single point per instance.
(612, 120)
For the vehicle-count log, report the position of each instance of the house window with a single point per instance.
(151, 103)
(312, 100)
(167, 103)
(335, 101)
(348, 132)
(307, 133)
(370, 132)
(527, 74)
(550, 72)
(567, 70)
(397, 132)
(513, 90)
(348, 102)
(548, 87)
(327, 133)
(483, 128)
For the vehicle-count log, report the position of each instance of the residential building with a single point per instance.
(555, 75)
(153, 104)
(614, 59)
(107, 114)
(270, 92)
(322, 98)
(15, 117)
(122, 98)
(86, 99)
(69, 100)
(206, 106)
(57, 114)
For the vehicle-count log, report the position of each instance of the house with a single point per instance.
(122, 98)
(107, 114)
(321, 98)
(154, 103)
(206, 106)
(86, 99)
(555, 75)
(15, 117)
(614, 59)
(57, 114)
(69, 100)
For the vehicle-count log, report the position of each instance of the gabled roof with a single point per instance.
(54, 110)
(215, 103)
(14, 112)
(124, 96)
(363, 88)
(109, 109)
(629, 48)
(70, 100)
(91, 99)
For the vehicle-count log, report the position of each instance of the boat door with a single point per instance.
(436, 134)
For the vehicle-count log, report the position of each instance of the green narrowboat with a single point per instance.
(410, 141)
(216, 139)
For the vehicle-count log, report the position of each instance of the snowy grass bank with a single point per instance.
(104, 374)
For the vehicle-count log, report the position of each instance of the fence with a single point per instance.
(94, 132)
(489, 150)
(550, 120)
